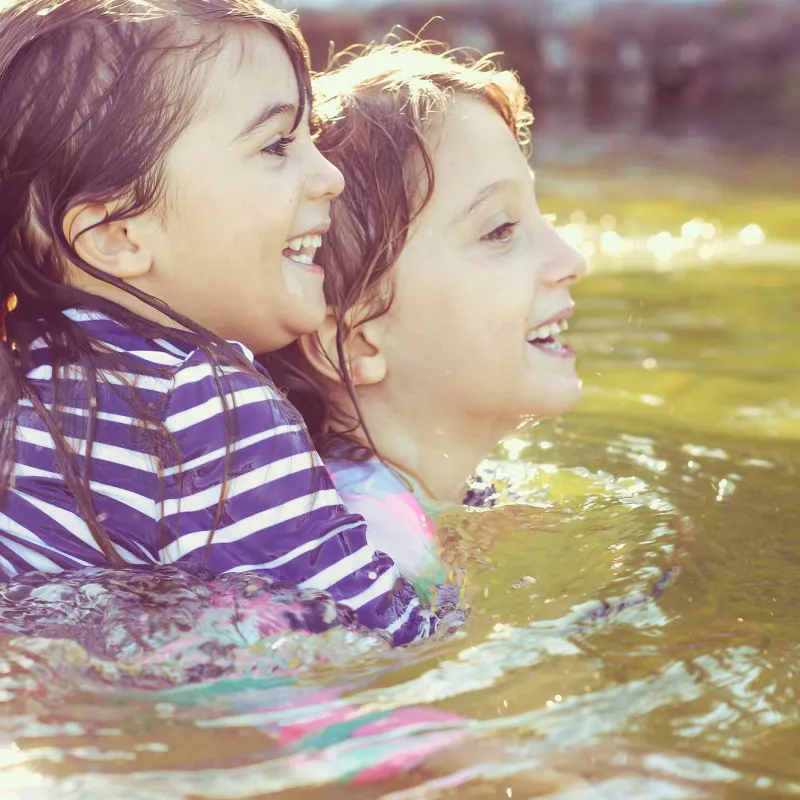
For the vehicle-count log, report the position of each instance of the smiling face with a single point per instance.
(247, 199)
(480, 276)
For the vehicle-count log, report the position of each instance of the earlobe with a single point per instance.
(365, 360)
(108, 246)
(365, 354)
(368, 369)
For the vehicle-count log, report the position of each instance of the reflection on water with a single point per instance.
(634, 627)
(695, 242)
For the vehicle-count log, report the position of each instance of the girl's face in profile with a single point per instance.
(247, 202)
(479, 286)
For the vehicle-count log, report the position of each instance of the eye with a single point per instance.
(502, 234)
(278, 148)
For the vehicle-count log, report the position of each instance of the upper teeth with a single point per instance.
(546, 331)
(299, 242)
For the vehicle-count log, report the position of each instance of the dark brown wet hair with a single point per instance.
(93, 94)
(376, 110)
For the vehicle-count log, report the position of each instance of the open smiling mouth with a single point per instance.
(545, 338)
(302, 249)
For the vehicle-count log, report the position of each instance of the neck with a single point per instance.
(108, 291)
(438, 451)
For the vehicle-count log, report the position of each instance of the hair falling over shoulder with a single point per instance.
(93, 94)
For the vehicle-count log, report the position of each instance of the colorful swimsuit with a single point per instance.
(397, 524)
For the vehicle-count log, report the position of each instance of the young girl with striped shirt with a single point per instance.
(161, 204)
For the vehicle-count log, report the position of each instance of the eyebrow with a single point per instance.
(266, 115)
(483, 195)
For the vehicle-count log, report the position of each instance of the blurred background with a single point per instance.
(679, 66)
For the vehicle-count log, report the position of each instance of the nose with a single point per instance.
(324, 180)
(566, 264)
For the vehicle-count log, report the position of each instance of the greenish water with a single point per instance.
(634, 628)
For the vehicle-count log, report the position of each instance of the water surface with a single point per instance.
(634, 628)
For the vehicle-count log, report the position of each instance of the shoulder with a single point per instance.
(396, 523)
(371, 489)
(200, 363)
(210, 397)
(149, 354)
(201, 376)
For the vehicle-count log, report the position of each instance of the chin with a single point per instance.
(307, 320)
(283, 335)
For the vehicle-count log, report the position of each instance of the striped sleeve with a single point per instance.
(281, 513)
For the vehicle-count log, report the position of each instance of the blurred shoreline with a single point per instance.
(725, 72)
(759, 161)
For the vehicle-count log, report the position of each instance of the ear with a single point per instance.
(363, 352)
(112, 247)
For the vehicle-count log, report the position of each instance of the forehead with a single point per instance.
(474, 147)
(250, 69)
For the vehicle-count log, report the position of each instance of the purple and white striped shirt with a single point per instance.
(282, 515)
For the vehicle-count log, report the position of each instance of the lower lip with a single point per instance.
(556, 349)
(314, 268)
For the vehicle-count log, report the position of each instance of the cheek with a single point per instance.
(495, 313)
(277, 194)
(274, 214)
(461, 310)
(463, 323)
(208, 216)
(246, 202)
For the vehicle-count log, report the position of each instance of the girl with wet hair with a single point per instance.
(447, 290)
(161, 203)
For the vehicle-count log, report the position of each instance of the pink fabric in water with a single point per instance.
(396, 523)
